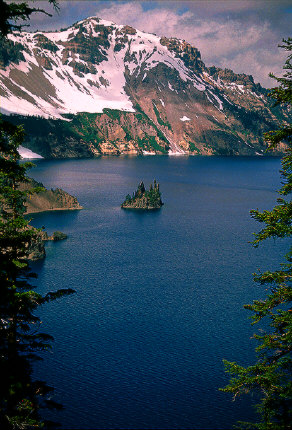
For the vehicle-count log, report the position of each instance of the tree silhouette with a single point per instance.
(20, 337)
(270, 376)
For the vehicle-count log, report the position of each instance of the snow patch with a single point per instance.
(61, 36)
(185, 118)
(176, 153)
(27, 153)
(73, 94)
(199, 87)
(246, 144)
(217, 100)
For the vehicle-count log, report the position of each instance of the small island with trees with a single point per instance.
(144, 199)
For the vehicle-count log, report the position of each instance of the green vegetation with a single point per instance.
(114, 114)
(10, 52)
(159, 119)
(20, 339)
(13, 11)
(128, 134)
(118, 47)
(270, 376)
(148, 120)
(142, 118)
(161, 136)
(193, 148)
(58, 235)
(143, 199)
(149, 143)
(84, 125)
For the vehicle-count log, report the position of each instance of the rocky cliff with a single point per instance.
(100, 88)
(36, 249)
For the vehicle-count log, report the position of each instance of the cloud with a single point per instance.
(260, 63)
(219, 39)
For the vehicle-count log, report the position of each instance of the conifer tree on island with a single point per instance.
(144, 199)
(20, 338)
(270, 376)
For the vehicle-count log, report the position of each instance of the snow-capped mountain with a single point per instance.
(108, 88)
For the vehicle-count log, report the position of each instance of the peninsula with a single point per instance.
(144, 199)
(42, 201)
(48, 200)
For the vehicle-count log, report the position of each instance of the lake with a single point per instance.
(159, 295)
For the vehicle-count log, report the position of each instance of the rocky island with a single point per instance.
(143, 199)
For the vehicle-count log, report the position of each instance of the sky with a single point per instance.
(242, 35)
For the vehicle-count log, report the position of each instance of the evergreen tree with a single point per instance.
(12, 12)
(20, 338)
(145, 198)
(141, 189)
(270, 376)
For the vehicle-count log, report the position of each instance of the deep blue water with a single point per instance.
(159, 295)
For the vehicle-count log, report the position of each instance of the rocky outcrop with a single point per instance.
(36, 249)
(190, 55)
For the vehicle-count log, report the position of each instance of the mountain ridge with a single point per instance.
(168, 100)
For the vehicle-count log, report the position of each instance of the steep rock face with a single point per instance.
(87, 135)
(36, 249)
(190, 55)
(167, 99)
